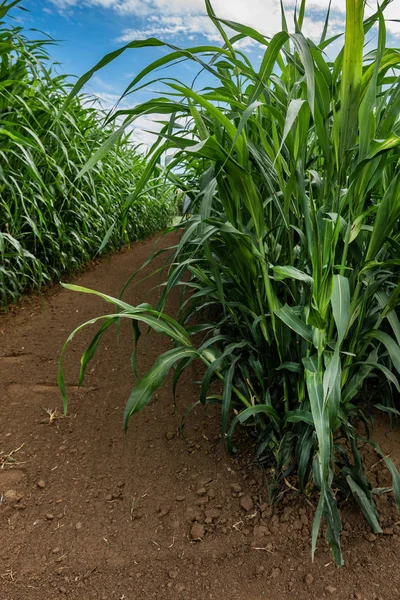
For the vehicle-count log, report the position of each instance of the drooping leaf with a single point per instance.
(149, 383)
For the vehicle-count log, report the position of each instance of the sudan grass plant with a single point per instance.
(51, 221)
(292, 245)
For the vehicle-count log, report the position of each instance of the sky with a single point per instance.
(85, 30)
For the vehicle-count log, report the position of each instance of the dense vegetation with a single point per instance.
(51, 221)
(292, 246)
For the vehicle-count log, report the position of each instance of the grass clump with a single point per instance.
(292, 245)
(51, 220)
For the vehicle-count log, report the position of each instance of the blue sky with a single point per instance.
(88, 29)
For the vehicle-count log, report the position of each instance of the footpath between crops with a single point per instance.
(85, 515)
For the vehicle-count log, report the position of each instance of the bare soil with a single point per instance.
(85, 514)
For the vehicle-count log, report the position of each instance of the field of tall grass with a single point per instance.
(290, 250)
(51, 220)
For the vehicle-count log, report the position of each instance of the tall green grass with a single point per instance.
(292, 250)
(51, 220)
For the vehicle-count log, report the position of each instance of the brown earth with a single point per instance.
(85, 515)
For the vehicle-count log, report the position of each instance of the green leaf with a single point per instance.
(331, 385)
(317, 523)
(283, 272)
(334, 523)
(91, 350)
(387, 215)
(390, 345)
(340, 302)
(350, 87)
(321, 420)
(303, 49)
(288, 316)
(268, 63)
(298, 415)
(366, 505)
(227, 395)
(147, 385)
(291, 116)
(395, 479)
(290, 366)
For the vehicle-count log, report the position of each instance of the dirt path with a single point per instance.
(85, 516)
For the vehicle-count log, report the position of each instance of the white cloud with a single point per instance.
(173, 18)
(64, 4)
(171, 27)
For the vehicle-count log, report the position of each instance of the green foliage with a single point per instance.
(51, 221)
(292, 250)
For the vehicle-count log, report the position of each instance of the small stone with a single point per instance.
(275, 573)
(12, 496)
(41, 484)
(201, 491)
(267, 513)
(297, 525)
(213, 513)
(78, 525)
(260, 570)
(164, 510)
(236, 488)
(208, 520)
(246, 502)
(202, 482)
(120, 484)
(211, 494)
(62, 590)
(371, 537)
(108, 497)
(170, 435)
(308, 579)
(275, 519)
(286, 514)
(330, 589)
(202, 500)
(304, 519)
(260, 531)
(180, 498)
(347, 526)
(388, 531)
(56, 550)
(49, 517)
(173, 574)
(193, 514)
(197, 532)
